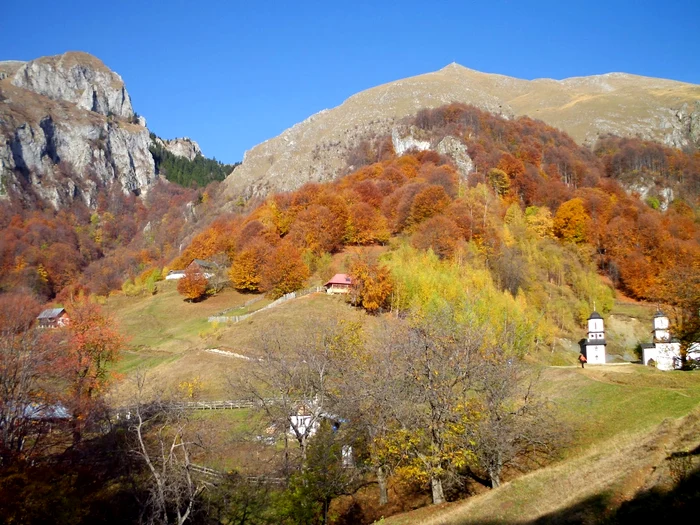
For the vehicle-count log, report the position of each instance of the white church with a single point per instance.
(664, 351)
(594, 345)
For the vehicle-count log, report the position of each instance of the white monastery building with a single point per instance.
(663, 351)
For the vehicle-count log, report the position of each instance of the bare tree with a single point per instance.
(681, 290)
(290, 380)
(164, 443)
(433, 360)
(219, 273)
(26, 353)
(512, 425)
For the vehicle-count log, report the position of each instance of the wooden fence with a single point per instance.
(231, 404)
(283, 299)
(217, 474)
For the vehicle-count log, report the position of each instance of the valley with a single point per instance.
(475, 231)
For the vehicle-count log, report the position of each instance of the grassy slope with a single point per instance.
(169, 336)
(624, 421)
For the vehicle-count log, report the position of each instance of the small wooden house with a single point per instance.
(340, 283)
(53, 318)
(207, 268)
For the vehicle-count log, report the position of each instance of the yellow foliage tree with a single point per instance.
(571, 221)
(372, 284)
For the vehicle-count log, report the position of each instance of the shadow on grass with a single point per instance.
(678, 505)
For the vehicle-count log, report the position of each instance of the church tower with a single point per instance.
(595, 342)
(661, 332)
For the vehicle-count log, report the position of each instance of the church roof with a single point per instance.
(595, 315)
(659, 313)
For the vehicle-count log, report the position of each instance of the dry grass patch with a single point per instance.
(583, 489)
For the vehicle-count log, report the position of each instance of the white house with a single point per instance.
(594, 345)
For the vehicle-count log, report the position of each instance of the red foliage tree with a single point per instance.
(439, 234)
(193, 285)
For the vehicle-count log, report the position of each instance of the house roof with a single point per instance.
(203, 263)
(38, 412)
(51, 313)
(340, 278)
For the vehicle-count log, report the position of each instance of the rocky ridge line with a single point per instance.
(316, 149)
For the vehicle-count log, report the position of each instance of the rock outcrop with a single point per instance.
(67, 132)
(184, 147)
(587, 107)
(79, 78)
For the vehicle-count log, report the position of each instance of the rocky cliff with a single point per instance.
(68, 131)
(181, 147)
(586, 107)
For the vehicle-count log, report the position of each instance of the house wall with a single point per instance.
(338, 288)
(669, 356)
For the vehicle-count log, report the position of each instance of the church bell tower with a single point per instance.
(595, 342)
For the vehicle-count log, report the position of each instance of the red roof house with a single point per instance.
(340, 283)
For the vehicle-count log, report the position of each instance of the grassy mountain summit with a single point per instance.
(585, 107)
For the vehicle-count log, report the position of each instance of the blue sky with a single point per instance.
(233, 74)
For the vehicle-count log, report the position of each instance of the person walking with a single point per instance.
(582, 359)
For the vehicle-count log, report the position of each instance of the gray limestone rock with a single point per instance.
(457, 151)
(78, 78)
(66, 133)
(182, 147)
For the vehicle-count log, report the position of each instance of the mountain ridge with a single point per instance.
(315, 149)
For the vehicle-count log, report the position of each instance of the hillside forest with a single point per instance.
(460, 280)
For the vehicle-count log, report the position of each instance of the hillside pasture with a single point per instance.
(625, 422)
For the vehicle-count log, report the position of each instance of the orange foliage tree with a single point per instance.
(429, 202)
(93, 344)
(193, 285)
(365, 225)
(284, 271)
(246, 270)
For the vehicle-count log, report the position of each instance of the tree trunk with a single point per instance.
(438, 495)
(495, 473)
(77, 431)
(383, 489)
(326, 508)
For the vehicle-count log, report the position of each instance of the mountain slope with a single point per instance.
(585, 107)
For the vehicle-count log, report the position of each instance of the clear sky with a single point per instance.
(233, 74)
